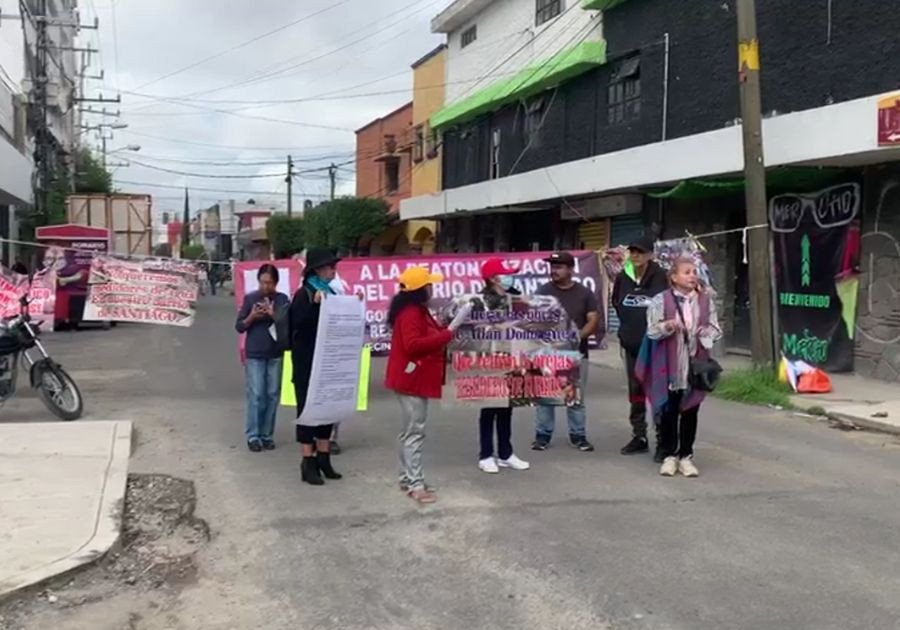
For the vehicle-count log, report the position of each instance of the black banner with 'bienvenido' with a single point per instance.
(817, 250)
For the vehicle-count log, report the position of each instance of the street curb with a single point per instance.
(108, 525)
(864, 423)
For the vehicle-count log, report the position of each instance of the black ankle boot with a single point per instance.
(325, 466)
(309, 471)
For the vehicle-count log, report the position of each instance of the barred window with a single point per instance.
(469, 35)
(547, 10)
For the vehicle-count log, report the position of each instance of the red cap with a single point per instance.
(496, 267)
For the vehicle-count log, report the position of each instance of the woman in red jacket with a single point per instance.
(416, 368)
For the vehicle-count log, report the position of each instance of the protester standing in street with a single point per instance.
(641, 279)
(263, 358)
(416, 369)
(582, 308)
(315, 442)
(498, 285)
(203, 279)
(681, 325)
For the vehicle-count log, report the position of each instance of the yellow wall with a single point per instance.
(428, 98)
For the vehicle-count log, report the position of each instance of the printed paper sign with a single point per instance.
(150, 291)
(514, 351)
(333, 387)
(41, 294)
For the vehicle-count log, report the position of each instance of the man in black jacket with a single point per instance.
(640, 280)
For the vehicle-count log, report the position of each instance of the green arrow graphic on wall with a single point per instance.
(804, 261)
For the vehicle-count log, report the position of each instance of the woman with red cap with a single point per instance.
(498, 285)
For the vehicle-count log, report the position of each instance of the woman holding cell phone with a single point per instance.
(263, 358)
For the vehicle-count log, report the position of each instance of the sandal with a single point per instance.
(422, 495)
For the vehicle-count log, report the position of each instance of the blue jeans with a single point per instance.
(576, 415)
(263, 394)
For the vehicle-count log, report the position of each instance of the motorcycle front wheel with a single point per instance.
(60, 394)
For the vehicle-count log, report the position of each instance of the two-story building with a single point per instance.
(399, 155)
(586, 122)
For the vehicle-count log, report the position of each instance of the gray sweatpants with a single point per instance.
(415, 413)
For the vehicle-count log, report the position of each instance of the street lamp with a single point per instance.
(131, 147)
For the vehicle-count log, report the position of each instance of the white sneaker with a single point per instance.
(669, 467)
(687, 468)
(489, 465)
(513, 462)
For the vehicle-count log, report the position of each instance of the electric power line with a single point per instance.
(243, 44)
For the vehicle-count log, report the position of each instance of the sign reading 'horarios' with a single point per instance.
(150, 291)
(376, 279)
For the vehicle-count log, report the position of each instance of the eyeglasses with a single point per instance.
(833, 207)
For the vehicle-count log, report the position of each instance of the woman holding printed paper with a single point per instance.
(416, 368)
(315, 441)
(498, 284)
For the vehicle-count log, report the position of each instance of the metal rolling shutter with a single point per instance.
(623, 230)
(594, 235)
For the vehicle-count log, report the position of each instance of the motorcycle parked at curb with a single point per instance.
(56, 389)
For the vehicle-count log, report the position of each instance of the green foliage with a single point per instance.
(316, 227)
(355, 218)
(759, 386)
(340, 224)
(285, 235)
(90, 176)
(193, 252)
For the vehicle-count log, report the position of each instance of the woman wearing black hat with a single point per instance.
(315, 442)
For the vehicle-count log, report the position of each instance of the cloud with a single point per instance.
(346, 43)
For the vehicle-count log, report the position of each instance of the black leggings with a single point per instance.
(309, 435)
(503, 417)
(677, 438)
(305, 434)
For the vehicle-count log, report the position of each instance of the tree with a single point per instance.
(90, 175)
(316, 227)
(286, 235)
(193, 252)
(352, 219)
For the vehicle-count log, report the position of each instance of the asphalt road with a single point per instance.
(791, 525)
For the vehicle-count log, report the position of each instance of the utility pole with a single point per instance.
(762, 336)
(103, 139)
(42, 133)
(332, 175)
(290, 185)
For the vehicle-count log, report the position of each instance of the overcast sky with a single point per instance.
(336, 48)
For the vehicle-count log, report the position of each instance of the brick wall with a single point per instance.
(371, 180)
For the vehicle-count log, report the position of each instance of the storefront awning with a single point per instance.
(600, 5)
(528, 82)
(795, 179)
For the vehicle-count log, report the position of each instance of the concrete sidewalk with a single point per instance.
(867, 403)
(62, 489)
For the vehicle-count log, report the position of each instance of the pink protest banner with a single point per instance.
(376, 278)
(41, 294)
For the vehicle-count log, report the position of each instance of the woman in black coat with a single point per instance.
(315, 441)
